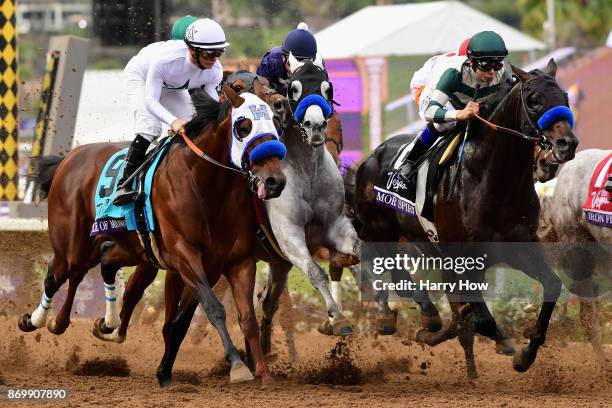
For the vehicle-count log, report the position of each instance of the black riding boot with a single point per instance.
(418, 150)
(135, 157)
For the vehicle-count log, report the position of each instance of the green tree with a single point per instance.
(583, 23)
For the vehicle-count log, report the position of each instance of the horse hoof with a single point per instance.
(164, 380)
(521, 361)
(505, 347)
(431, 323)
(240, 372)
(54, 328)
(325, 327)
(25, 323)
(101, 326)
(342, 328)
(386, 324)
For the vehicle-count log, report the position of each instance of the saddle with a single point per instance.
(136, 216)
(402, 195)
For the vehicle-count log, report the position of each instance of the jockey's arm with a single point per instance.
(448, 84)
(153, 90)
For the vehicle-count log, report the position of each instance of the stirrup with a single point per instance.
(124, 196)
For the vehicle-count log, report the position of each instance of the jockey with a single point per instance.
(157, 80)
(454, 81)
(274, 64)
(180, 26)
(422, 76)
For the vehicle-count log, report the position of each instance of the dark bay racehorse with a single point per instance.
(205, 217)
(495, 201)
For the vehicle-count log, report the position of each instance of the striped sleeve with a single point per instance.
(446, 86)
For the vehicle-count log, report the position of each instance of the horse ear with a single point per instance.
(258, 88)
(319, 61)
(235, 99)
(522, 75)
(551, 68)
(227, 73)
(294, 63)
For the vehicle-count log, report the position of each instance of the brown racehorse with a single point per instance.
(495, 201)
(205, 219)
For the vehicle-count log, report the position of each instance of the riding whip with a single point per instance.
(453, 182)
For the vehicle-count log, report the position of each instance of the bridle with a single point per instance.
(539, 138)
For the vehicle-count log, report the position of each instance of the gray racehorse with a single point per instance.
(311, 209)
(562, 220)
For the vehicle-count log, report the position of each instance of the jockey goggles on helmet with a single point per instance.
(487, 64)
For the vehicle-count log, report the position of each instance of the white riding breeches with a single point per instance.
(178, 102)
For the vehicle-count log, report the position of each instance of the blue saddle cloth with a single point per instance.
(111, 218)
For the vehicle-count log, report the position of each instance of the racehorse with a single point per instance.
(309, 165)
(205, 220)
(562, 220)
(494, 201)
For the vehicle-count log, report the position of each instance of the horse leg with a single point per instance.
(106, 324)
(241, 278)
(296, 250)
(277, 282)
(56, 276)
(143, 276)
(335, 273)
(176, 323)
(536, 266)
(194, 276)
(59, 324)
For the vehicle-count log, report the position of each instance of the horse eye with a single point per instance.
(243, 128)
(295, 90)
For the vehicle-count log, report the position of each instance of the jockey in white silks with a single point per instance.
(157, 81)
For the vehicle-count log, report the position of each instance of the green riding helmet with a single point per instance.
(180, 26)
(487, 44)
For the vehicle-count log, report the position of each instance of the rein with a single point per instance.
(540, 139)
(250, 176)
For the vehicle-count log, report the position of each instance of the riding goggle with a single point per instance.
(489, 64)
(211, 54)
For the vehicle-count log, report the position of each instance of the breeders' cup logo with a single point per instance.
(395, 183)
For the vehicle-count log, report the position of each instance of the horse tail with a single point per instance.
(43, 170)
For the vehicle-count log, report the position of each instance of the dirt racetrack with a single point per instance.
(389, 371)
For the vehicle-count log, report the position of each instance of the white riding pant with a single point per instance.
(178, 102)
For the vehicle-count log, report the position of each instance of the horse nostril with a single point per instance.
(271, 182)
(278, 105)
(562, 145)
(307, 124)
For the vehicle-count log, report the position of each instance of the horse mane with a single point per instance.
(208, 111)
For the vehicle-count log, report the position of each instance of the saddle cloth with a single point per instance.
(111, 218)
(415, 197)
(597, 206)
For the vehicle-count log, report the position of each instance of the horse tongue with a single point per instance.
(261, 191)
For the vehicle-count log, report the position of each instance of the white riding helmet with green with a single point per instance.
(205, 34)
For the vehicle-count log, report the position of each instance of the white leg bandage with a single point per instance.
(39, 317)
(111, 318)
